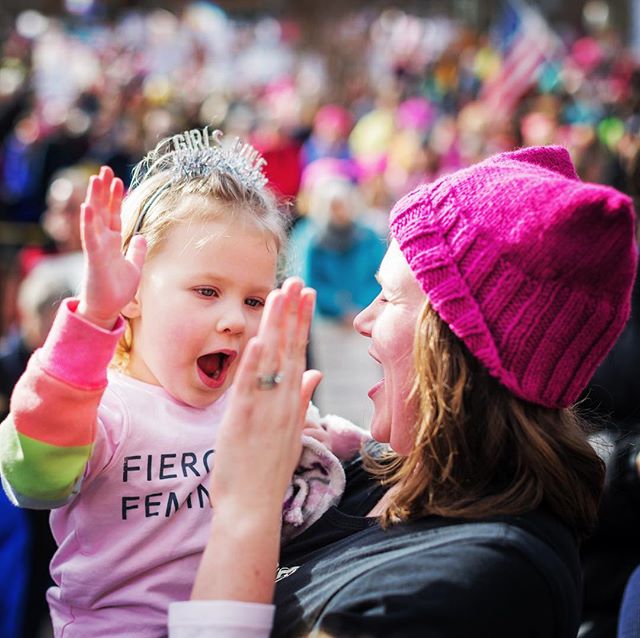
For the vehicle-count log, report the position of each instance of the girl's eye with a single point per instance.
(382, 298)
(255, 303)
(206, 292)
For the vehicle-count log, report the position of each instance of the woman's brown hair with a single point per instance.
(480, 450)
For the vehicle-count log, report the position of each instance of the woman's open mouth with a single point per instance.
(380, 383)
(213, 367)
(375, 388)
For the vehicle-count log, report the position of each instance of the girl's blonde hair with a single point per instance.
(155, 203)
(481, 451)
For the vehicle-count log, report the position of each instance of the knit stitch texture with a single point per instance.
(531, 267)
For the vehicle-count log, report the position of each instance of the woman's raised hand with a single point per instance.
(257, 450)
(111, 279)
(259, 442)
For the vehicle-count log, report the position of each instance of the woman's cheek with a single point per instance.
(404, 412)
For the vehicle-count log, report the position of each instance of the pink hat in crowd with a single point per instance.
(326, 168)
(531, 267)
(416, 112)
(334, 117)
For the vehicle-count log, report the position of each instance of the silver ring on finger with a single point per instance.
(269, 381)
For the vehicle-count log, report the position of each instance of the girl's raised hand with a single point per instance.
(111, 279)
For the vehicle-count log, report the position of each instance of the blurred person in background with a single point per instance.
(611, 403)
(411, 160)
(61, 221)
(332, 125)
(338, 255)
(39, 296)
(32, 154)
(61, 218)
(56, 243)
(123, 146)
(278, 136)
(629, 621)
(21, 171)
(16, 560)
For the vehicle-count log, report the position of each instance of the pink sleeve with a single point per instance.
(56, 400)
(47, 439)
(220, 618)
(78, 352)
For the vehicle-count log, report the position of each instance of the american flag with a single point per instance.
(526, 42)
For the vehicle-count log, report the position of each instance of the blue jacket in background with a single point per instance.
(14, 566)
(340, 264)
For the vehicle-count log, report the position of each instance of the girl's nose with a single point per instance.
(232, 320)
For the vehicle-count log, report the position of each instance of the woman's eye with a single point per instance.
(206, 292)
(255, 303)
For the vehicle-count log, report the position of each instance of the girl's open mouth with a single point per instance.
(213, 367)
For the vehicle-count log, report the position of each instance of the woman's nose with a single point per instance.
(364, 320)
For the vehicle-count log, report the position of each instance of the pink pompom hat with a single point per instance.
(531, 267)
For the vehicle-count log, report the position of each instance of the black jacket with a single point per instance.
(506, 577)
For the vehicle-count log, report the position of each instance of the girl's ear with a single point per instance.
(132, 309)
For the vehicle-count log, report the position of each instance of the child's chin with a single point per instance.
(202, 398)
(213, 396)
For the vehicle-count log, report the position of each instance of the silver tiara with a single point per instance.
(199, 153)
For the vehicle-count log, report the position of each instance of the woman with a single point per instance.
(504, 286)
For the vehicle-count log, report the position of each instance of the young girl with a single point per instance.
(123, 454)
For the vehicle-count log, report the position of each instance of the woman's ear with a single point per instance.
(132, 309)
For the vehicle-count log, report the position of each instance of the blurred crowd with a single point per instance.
(375, 103)
(391, 99)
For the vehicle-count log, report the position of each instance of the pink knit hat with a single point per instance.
(531, 267)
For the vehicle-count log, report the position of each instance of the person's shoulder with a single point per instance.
(497, 548)
(496, 576)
